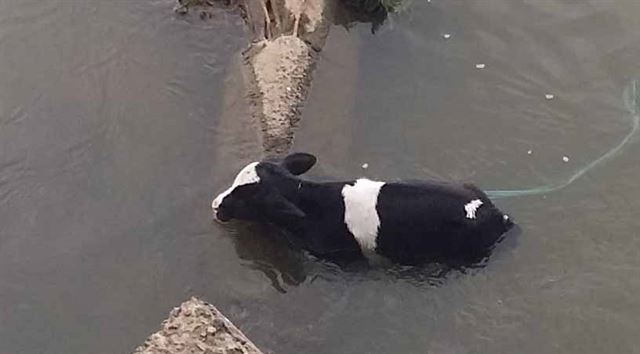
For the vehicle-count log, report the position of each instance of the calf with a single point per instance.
(407, 223)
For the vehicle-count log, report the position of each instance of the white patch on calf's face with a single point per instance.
(360, 214)
(247, 175)
(471, 208)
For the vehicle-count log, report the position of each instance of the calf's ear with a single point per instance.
(299, 163)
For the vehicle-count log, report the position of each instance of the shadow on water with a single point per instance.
(282, 260)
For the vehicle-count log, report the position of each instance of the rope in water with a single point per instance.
(630, 97)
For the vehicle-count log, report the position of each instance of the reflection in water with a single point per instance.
(269, 251)
(282, 260)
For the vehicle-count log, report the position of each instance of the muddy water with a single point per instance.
(107, 165)
(118, 123)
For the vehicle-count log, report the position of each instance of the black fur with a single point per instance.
(426, 220)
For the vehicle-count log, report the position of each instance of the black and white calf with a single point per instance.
(408, 223)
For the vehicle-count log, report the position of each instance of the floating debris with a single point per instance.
(565, 158)
(446, 35)
(480, 66)
(365, 165)
(549, 96)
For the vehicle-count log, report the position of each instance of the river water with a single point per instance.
(120, 121)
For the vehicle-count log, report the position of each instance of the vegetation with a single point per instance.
(368, 11)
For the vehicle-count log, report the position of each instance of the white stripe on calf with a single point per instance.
(360, 213)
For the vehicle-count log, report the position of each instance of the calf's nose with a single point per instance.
(215, 205)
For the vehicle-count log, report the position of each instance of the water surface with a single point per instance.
(119, 123)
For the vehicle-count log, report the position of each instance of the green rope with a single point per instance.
(630, 97)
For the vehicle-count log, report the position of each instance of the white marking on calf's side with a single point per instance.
(472, 207)
(360, 213)
(247, 175)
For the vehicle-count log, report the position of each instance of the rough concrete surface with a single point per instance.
(196, 327)
(282, 70)
(285, 36)
(282, 65)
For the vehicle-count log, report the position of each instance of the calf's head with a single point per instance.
(258, 192)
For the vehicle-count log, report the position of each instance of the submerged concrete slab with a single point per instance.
(282, 64)
(285, 37)
(282, 72)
